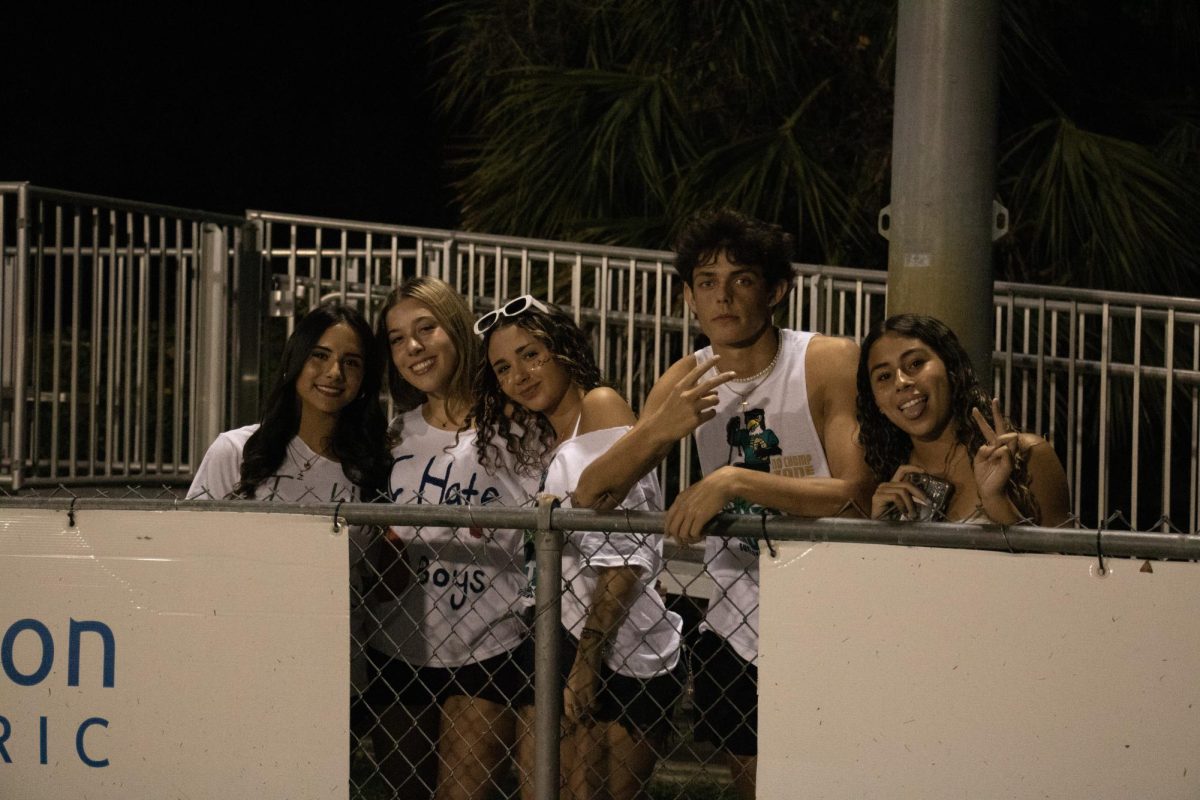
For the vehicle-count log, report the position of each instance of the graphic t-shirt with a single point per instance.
(464, 602)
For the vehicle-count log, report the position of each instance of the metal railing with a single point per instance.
(1094, 372)
(685, 768)
(112, 336)
(120, 317)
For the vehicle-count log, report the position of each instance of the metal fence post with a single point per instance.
(210, 398)
(20, 337)
(250, 304)
(547, 696)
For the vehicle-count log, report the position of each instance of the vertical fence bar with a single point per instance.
(1102, 471)
(814, 311)
(1195, 472)
(1009, 324)
(126, 320)
(95, 345)
(998, 328)
(1052, 401)
(858, 311)
(602, 308)
(292, 266)
(56, 345)
(141, 442)
(1041, 369)
(77, 279)
(36, 334)
(547, 685)
(160, 377)
(1168, 413)
(1072, 460)
(525, 287)
(629, 329)
(344, 258)
(576, 285)
(1026, 319)
(113, 363)
(1136, 422)
(183, 344)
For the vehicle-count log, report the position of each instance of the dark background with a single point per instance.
(326, 114)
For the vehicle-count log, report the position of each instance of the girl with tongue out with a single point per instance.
(922, 414)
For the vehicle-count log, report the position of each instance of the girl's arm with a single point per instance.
(616, 588)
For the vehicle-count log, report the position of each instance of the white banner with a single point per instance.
(173, 654)
(923, 673)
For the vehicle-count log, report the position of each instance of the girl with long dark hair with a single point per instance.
(542, 404)
(922, 414)
(321, 440)
(321, 437)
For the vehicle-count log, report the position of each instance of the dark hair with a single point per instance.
(359, 435)
(452, 313)
(528, 435)
(886, 447)
(744, 240)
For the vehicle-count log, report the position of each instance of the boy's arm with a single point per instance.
(832, 367)
(679, 402)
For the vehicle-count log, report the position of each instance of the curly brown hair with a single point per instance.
(527, 435)
(886, 447)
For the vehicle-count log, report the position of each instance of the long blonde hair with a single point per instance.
(451, 312)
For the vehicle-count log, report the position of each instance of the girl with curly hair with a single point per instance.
(449, 644)
(540, 396)
(921, 413)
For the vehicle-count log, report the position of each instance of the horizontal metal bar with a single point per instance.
(1188, 377)
(1021, 539)
(121, 204)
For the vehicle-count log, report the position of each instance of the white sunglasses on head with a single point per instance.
(513, 308)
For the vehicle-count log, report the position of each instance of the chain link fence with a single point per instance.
(468, 621)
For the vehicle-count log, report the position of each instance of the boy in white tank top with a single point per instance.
(773, 415)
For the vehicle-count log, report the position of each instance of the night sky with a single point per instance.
(324, 114)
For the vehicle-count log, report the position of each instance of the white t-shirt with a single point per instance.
(464, 603)
(773, 433)
(647, 642)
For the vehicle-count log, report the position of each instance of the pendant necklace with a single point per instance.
(757, 379)
(304, 464)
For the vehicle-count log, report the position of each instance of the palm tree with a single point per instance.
(611, 121)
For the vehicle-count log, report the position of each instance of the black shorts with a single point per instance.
(501, 679)
(726, 694)
(641, 705)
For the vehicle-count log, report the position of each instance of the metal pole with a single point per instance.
(547, 688)
(250, 303)
(212, 339)
(20, 337)
(942, 219)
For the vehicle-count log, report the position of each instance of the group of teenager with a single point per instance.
(493, 410)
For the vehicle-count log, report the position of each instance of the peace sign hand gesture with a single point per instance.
(993, 464)
(691, 401)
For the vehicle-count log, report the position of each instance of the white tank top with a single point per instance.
(464, 603)
(770, 429)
